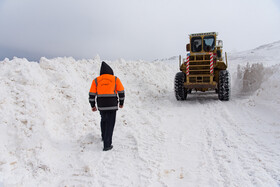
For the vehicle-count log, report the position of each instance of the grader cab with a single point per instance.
(204, 68)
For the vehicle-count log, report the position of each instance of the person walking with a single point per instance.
(107, 88)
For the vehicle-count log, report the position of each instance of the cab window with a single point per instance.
(208, 43)
(196, 44)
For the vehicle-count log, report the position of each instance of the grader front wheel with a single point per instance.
(224, 85)
(180, 91)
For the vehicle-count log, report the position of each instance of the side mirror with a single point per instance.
(220, 43)
(188, 47)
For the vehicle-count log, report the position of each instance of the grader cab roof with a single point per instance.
(204, 34)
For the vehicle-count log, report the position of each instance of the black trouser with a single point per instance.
(108, 118)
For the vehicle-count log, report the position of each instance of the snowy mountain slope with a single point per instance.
(50, 137)
(265, 54)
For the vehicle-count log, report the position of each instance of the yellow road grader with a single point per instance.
(204, 69)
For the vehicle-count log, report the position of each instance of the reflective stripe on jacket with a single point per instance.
(106, 87)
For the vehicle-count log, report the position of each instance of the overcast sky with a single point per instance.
(131, 29)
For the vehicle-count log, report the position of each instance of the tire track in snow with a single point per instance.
(184, 163)
(213, 146)
(231, 148)
(263, 158)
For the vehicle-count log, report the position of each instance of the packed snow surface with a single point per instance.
(50, 137)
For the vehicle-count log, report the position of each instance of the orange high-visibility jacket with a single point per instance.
(106, 88)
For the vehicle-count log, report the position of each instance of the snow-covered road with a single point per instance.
(215, 143)
(50, 137)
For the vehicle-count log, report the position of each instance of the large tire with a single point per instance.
(224, 85)
(180, 91)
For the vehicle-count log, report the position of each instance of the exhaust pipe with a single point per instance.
(226, 58)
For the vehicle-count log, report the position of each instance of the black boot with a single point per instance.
(108, 148)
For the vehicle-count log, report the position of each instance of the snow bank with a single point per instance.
(259, 81)
(250, 77)
(257, 84)
(256, 63)
(46, 120)
(42, 105)
(255, 71)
